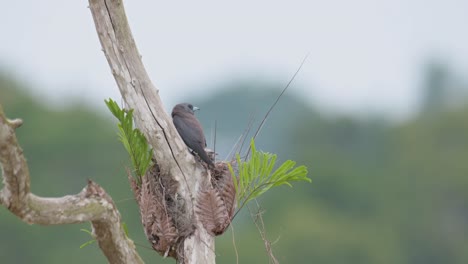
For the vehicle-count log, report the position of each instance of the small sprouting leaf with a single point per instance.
(87, 231)
(125, 228)
(88, 242)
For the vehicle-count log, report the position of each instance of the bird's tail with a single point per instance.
(204, 156)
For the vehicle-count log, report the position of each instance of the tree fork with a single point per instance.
(91, 204)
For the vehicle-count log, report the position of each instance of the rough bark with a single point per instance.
(139, 93)
(91, 204)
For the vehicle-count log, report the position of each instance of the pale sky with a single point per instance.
(365, 55)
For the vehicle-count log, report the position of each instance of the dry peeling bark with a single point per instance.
(216, 206)
(91, 204)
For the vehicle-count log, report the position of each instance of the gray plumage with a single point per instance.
(190, 129)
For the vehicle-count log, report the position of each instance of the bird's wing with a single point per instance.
(190, 130)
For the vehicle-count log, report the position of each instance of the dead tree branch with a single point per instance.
(171, 155)
(91, 204)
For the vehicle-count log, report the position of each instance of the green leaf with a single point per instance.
(132, 139)
(256, 177)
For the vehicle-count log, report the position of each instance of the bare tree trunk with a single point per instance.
(171, 155)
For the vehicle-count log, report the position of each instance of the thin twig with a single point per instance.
(250, 194)
(234, 243)
(144, 246)
(277, 99)
(233, 148)
(246, 132)
(125, 200)
(260, 224)
(214, 143)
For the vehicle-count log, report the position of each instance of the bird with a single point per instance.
(190, 130)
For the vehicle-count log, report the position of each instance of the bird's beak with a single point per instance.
(195, 108)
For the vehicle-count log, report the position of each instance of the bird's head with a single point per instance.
(184, 108)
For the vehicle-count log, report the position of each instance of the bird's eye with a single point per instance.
(190, 106)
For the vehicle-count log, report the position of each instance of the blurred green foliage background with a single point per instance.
(382, 192)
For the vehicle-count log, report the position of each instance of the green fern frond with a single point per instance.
(256, 176)
(132, 139)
